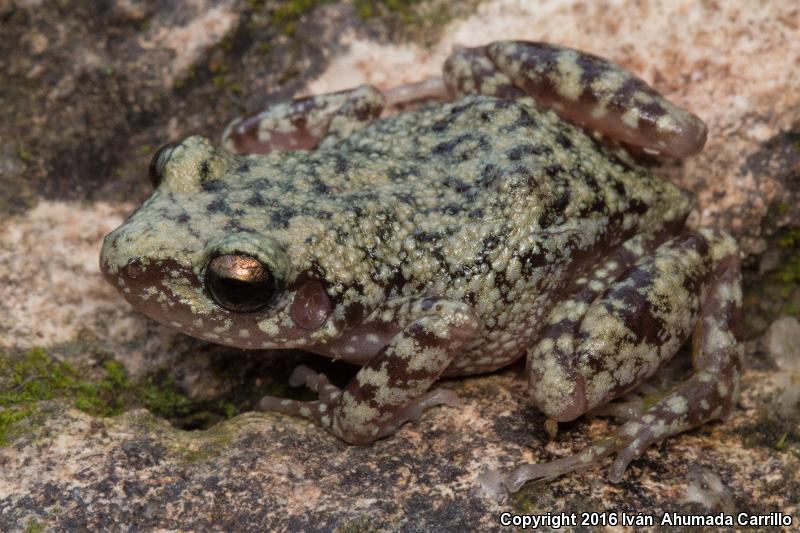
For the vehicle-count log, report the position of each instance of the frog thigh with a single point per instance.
(640, 321)
(391, 388)
(304, 123)
(582, 88)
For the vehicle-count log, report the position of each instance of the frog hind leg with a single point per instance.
(582, 88)
(304, 123)
(688, 285)
(392, 388)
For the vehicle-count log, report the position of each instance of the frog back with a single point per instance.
(474, 186)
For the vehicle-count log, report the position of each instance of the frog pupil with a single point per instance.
(240, 283)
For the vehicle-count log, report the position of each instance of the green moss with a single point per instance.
(161, 397)
(404, 9)
(205, 445)
(35, 376)
(287, 14)
(9, 417)
(206, 451)
(24, 154)
(362, 524)
(789, 271)
(33, 526)
(777, 292)
(103, 389)
(774, 428)
(418, 20)
(527, 499)
(790, 238)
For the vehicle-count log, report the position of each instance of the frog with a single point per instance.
(506, 217)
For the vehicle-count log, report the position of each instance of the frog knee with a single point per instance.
(561, 406)
(556, 391)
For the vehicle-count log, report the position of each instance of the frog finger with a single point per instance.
(302, 123)
(390, 389)
(302, 375)
(319, 383)
(413, 410)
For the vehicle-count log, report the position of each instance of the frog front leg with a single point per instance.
(390, 389)
(622, 323)
(582, 88)
(304, 123)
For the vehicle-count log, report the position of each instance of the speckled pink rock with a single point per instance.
(90, 97)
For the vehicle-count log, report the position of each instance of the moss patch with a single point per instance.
(36, 377)
(776, 292)
(103, 389)
(34, 526)
(417, 20)
(287, 14)
(772, 429)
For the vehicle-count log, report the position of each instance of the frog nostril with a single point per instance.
(132, 270)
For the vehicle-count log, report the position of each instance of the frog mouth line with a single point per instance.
(174, 296)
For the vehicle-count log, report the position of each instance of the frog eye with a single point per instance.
(159, 161)
(240, 283)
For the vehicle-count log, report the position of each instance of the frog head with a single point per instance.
(205, 256)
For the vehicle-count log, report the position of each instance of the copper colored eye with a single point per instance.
(157, 164)
(240, 283)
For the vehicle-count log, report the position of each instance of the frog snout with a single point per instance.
(118, 275)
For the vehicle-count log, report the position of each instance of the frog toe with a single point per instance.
(413, 411)
(628, 443)
(558, 467)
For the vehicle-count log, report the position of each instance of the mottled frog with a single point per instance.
(503, 221)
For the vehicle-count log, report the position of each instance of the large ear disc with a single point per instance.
(240, 283)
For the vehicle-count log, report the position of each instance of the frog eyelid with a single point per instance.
(159, 162)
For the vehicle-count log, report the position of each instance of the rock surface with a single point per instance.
(87, 95)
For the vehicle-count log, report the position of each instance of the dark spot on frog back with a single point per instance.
(234, 226)
(426, 236)
(563, 140)
(457, 184)
(282, 215)
(489, 175)
(219, 205)
(554, 211)
(447, 147)
(341, 165)
(518, 152)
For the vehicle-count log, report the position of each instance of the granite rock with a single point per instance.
(87, 95)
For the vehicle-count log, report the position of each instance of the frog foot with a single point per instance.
(302, 375)
(634, 404)
(580, 87)
(319, 410)
(677, 411)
